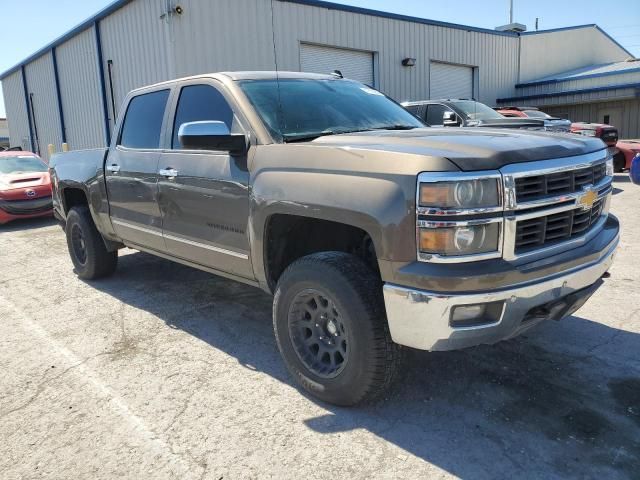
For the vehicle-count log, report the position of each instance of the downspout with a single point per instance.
(26, 104)
(103, 89)
(63, 128)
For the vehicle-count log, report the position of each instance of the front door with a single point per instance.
(203, 195)
(132, 172)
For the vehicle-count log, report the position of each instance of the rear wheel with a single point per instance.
(88, 252)
(331, 328)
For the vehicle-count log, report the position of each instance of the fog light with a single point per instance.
(476, 315)
(467, 312)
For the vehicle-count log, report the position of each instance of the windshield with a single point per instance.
(477, 111)
(536, 114)
(312, 108)
(21, 164)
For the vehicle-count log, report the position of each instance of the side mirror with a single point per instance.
(211, 135)
(450, 119)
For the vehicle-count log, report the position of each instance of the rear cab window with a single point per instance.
(142, 123)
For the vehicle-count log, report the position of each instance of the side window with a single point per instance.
(143, 120)
(435, 114)
(197, 103)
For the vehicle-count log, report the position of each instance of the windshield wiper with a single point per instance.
(394, 127)
(304, 137)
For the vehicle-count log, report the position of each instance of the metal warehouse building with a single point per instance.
(71, 90)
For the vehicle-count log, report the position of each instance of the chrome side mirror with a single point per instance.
(450, 119)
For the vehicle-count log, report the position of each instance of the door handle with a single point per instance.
(168, 172)
(113, 168)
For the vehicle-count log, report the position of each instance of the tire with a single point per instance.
(364, 361)
(88, 252)
(618, 162)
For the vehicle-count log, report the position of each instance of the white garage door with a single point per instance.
(354, 64)
(450, 81)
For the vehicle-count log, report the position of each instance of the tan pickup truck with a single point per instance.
(373, 232)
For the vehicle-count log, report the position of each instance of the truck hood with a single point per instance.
(469, 148)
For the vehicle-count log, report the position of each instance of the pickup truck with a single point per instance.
(372, 231)
(467, 113)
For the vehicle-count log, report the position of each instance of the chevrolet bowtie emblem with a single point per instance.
(588, 198)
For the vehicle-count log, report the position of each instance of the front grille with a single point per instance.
(540, 186)
(26, 207)
(558, 227)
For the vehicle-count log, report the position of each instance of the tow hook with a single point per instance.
(606, 275)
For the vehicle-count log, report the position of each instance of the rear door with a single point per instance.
(131, 171)
(204, 195)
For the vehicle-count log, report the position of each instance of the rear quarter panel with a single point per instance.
(82, 170)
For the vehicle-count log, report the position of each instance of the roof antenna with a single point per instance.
(337, 74)
(280, 115)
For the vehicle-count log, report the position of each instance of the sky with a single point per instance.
(29, 25)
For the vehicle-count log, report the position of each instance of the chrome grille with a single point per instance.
(558, 227)
(537, 187)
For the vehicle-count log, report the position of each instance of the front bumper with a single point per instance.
(32, 208)
(421, 319)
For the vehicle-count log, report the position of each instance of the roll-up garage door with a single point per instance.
(354, 64)
(450, 81)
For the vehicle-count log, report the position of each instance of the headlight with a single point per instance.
(460, 240)
(609, 168)
(460, 194)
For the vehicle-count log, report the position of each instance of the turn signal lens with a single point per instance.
(467, 240)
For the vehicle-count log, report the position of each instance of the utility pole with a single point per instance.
(537, 23)
(510, 11)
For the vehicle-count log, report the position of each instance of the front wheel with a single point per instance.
(88, 252)
(331, 329)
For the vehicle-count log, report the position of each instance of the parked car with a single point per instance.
(627, 149)
(552, 124)
(25, 187)
(608, 134)
(466, 113)
(371, 230)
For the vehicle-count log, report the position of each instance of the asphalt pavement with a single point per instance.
(163, 371)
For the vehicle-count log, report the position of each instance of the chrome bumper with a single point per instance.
(421, 319)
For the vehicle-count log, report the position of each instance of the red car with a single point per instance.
(551, 124)
(25, 186)
(628, 148)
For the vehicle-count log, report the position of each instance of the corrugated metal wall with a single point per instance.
(45, 114)
(496, 56)
(134, 38)
(546, 53)
(80, 91)
(13, 93)
(146, 44)
(577, 84)
(213, 36)
(589, 112)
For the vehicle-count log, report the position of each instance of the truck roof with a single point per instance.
(247, 75)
